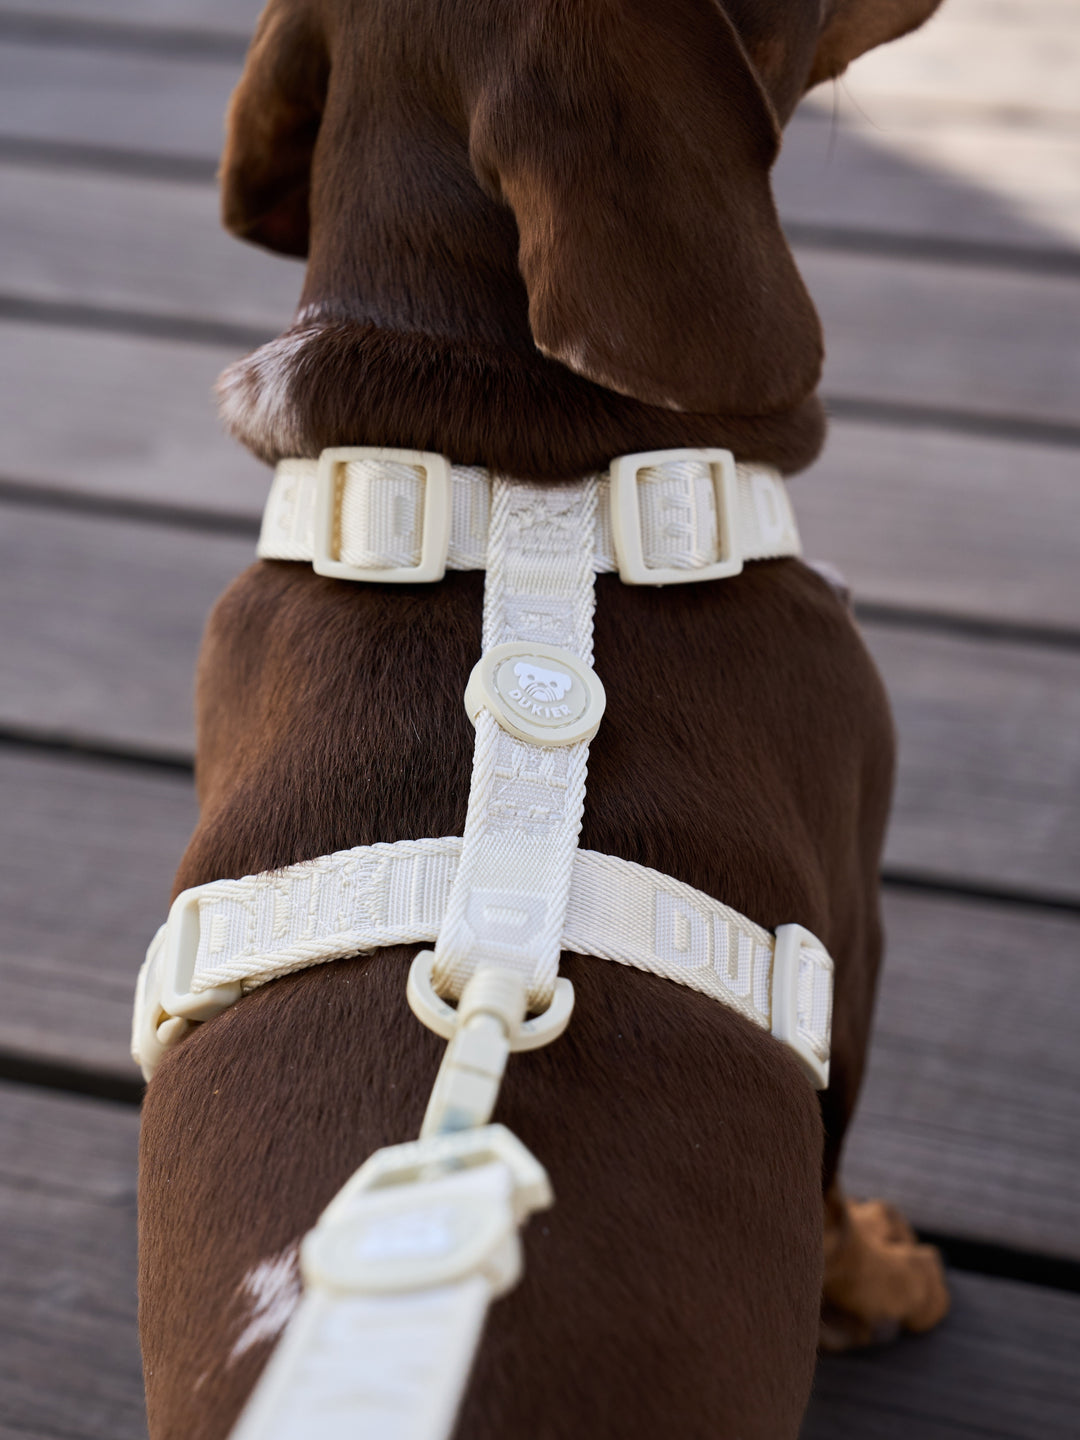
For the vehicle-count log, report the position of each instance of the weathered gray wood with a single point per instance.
(69, 1365)
(138, 419)
(105, 616)
(1014, 57)
(968, 1118)
(989, 759)
(983, 181)
(919, 518)
(89, 851)
(228, 16)
(136, 244)
(947, 522)
(1002, 1367)
(993, 342)
(133, 101)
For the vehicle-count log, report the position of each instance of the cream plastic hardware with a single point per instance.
(488, 1024)
(626, 518)
(539, 693)
(435, 540)
(791, 940)
(165, 1005)
(372, 1238)
(398, 1273)
(430, 1008)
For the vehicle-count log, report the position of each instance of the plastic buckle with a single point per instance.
(165, 1004)
(626, 518)
(435, 536)
(428, 1213)
(791, 940)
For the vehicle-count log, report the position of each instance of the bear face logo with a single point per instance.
(541, 685)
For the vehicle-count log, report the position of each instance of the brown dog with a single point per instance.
(540, 235)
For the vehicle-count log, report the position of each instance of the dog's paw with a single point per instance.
(878, 1278)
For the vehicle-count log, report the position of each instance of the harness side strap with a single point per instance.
(230, 936)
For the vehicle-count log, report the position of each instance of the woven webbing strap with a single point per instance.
(379, 507)
(507, 906)
(243, 933)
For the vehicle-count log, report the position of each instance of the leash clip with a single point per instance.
(488, 1024)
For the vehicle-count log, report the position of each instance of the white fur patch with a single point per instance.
(255, 399)
(272, 1289)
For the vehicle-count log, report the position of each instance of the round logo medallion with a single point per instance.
(537, 692)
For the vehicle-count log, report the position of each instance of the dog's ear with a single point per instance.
(272, 123)
(633, 141)
(854, 26)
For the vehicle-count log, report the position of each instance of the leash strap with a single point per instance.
(663, 517)
(398, 1274)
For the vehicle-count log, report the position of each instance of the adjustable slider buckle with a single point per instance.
(165, 1004)
(626, 518)
(802, 985)
(435, 533)
(428, 1213)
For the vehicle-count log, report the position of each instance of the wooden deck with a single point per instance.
(937, 219)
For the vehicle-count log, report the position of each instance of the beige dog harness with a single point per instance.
(402, 1265)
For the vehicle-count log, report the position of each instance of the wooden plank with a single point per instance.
(139, 420)
(989, 759)
(229, 16)
(992, 342)
(968, 1118)
(104, 619)
(69, 1363)
(952, 523)
(108, 616)
(139, 102)
(90, 850)
(1002, 1367)
(136, 244)
(984, 180)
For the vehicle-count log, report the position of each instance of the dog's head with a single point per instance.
(630, 140)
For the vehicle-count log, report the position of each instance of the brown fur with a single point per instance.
(675, 1287)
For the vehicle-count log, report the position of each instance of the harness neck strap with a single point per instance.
(665, 517)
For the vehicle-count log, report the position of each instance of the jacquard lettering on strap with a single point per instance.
(231, 936)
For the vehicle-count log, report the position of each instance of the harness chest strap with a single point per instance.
(231, 936)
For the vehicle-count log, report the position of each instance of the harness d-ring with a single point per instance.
(442, 1017)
